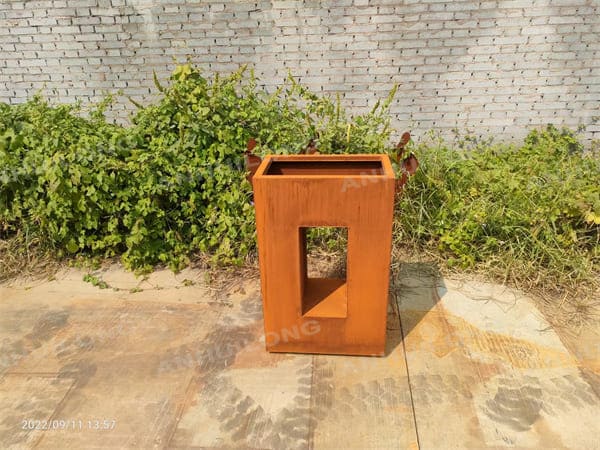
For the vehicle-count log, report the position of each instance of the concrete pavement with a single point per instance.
(172, 363)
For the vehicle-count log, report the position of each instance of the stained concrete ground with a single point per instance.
(171, 362)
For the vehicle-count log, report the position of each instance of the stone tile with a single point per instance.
(469, 365)
(28, 404)
(243, 396)
(362, 402)
(249, 407)
(443, 381)
(483, 361)
(131, 364)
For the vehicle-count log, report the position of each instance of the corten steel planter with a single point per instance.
(320, 315)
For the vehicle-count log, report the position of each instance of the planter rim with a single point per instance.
(387, 170)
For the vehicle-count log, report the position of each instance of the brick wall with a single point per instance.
(490, 67)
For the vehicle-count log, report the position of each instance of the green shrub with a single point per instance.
(530, 211)
(173, 182)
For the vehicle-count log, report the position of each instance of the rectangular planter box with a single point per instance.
(320, 315)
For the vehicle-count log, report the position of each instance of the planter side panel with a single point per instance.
(283, 206)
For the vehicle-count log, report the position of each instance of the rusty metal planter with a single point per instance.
(319, 315)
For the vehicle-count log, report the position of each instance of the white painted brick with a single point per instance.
(387, 18)
(482, 64)
(288, 4)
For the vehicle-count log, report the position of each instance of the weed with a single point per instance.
(95, 281)
(527, 213)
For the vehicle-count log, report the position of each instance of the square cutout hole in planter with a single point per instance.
(323, 262)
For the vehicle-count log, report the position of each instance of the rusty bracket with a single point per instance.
(408, 164)
(310, 149)
(251, 160)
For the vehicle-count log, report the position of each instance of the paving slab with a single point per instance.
(484, 361)
(170, 362)
(35, 397)
(360, 402)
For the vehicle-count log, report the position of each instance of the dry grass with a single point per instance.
(21, 256)
(222, 279)
(571, 312)
(567, 307)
